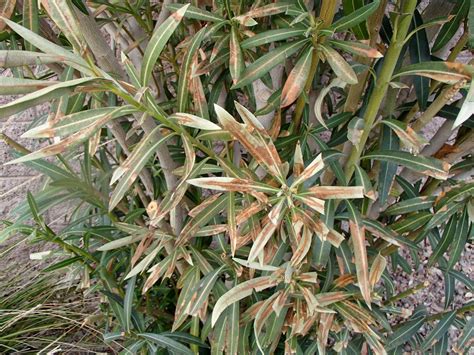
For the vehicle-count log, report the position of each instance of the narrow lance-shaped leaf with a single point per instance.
(231, 184)
(202, 291)
(128, 303)
(266, 10)
(241, 291)
(376, 270)
(65, 144)
(196, 13)
(357, 48)
(424, 165)
(339, 65)
(264, 152)
(157, 43)
(17, 86)
(411, 205)
(271, 36)
(267, 62)
(30, 19)
(167, 343)
(43, 95)
(446, 239)
(360, 252)
(467, 107)
(202, 218)
(441, 328)
(448, 30)
(337, 192)
(295, 83)
(50, 48)
(236, 59)
(318, 104)
(75, 122)
(131, 168)
(15, 58)
(406, 134)
(466, 338)
(275, 215)
(63, 16)
(460, 239)
(388, 141)
(312, 169)
(420, 52)
(186, 119)
(445, 72)
(355, 17)
(185, 73)
(362, 179)
(405, 332)
(349, 7)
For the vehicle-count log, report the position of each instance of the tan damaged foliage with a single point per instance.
(248, 177)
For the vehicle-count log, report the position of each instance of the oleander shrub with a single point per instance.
(246, 176)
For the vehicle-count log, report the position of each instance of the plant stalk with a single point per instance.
(326, 15)
(381, 86)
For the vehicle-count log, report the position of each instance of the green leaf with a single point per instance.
(17, 86)
(406, 134)
(465, 340)
(357, 48)
(448, 30)
(202, 291)
(405, 332)
(129, 170)
(236, 59)
(43, 95)
(297, 78)
(360, 252)
(355, 17)
(443, 244)
(445, 72)
(15, 58)
(267, 62)
(128, 303)
(467, 107)
(441, 328)
(390, 142)
(460, 239)
(196, 13)
(362, 179)
(419, 53)
(202, 218)
(271, 36)
(157, 43)
(30, 19)
(350, 6)
(411, 205)
(50, 48)
(185, 72)
(337, 62)
(424, 165)
(166, 342)
(241, 291)
(77, 121)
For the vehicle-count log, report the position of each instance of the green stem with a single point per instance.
(381, 86)
(409, 292)
(195, 331)
(326, 15)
